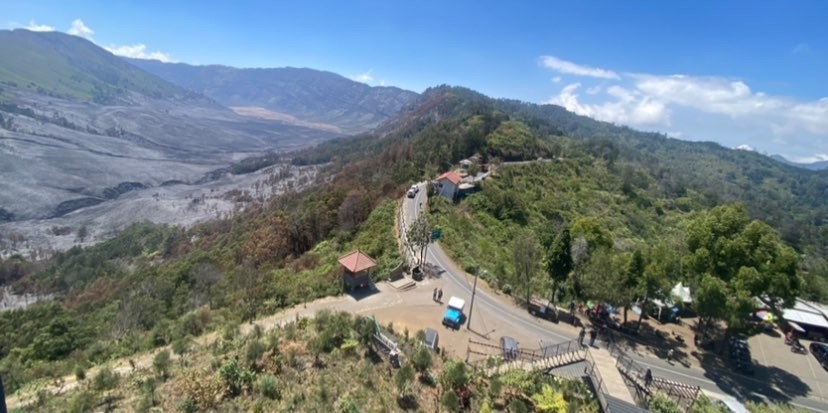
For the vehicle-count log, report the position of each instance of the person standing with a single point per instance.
(440, 295)
(670, 354)
(593, 334)
(434, 295)
(581, 336)
(648, 378)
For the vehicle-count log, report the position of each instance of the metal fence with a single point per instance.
(558, 351)
(683, 394)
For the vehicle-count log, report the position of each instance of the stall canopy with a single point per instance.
(682, 293)
(805, 313)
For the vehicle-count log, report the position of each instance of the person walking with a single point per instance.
(581, 336)
(648, 378)
(440, 295)
(434, 295)
(670, 354)
(593, 334)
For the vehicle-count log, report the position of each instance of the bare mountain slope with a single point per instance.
(306, 94)
(80, 126)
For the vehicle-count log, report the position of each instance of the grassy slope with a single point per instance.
(69, 66)
(311, 366)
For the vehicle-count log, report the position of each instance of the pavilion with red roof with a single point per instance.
(357, 265)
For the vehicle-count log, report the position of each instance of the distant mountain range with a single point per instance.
(78, 124)
(305, 97)
(814, 166)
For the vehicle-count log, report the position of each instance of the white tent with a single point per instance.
(682, 293)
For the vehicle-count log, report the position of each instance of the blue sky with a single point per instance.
(741, 73)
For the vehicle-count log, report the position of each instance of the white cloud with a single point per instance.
(811, 159)
(139, 51)
(705, 107)
(366, 77)
(79, 28)
(556, 79)
(38, 27)
(745, 147)
(629, 107)
(570, 68)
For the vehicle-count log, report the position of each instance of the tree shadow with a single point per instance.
(649, 339)
(775, 384)
(408, 402)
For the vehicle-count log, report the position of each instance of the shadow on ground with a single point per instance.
(773, 383)
(363, 292)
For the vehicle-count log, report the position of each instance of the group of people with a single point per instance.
(593, 334)
(437, 295)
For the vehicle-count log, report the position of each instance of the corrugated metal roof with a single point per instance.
(805, 317)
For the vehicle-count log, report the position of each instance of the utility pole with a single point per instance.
(471, 305)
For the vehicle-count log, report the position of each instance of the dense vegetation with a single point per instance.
(603, 199)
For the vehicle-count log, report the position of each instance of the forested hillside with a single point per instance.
(618, 192)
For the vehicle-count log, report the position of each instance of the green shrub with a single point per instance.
(105, 379)
(161, 363)
(254, 351)
(268, 386)
(82, 402)
(182, 345)
(235, 378)
(80, 373)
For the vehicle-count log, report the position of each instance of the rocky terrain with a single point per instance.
(91, 142)
(174, 204)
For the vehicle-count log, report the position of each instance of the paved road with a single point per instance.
(507, 314)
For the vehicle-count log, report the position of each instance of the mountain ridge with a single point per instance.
(66, 66)
(814, 166)
(310, 95)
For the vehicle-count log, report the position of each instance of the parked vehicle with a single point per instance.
(820, 352)
(454, 317)
(739, 353)
(543, 309)
(797, 347)
(411, 193)
(509, 347)
(415, 188)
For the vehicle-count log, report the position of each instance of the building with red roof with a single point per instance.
(448, 184)
(357, 267)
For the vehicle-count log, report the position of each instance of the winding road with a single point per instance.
(499, 311)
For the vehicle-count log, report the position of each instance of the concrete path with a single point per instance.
(613, 381)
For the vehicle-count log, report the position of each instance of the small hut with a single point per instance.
(357, 265)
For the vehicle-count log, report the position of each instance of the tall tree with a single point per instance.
(559, 260)
(418, 236)
(744, 258)
(662, 270)
(580, 256)
(526, 258)
(605, 277)
(634, 277)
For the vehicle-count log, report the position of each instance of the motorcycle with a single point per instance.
(798, 348)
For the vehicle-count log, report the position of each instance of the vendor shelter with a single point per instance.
(357, 266)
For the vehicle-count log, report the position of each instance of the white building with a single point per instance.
(448, 184)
